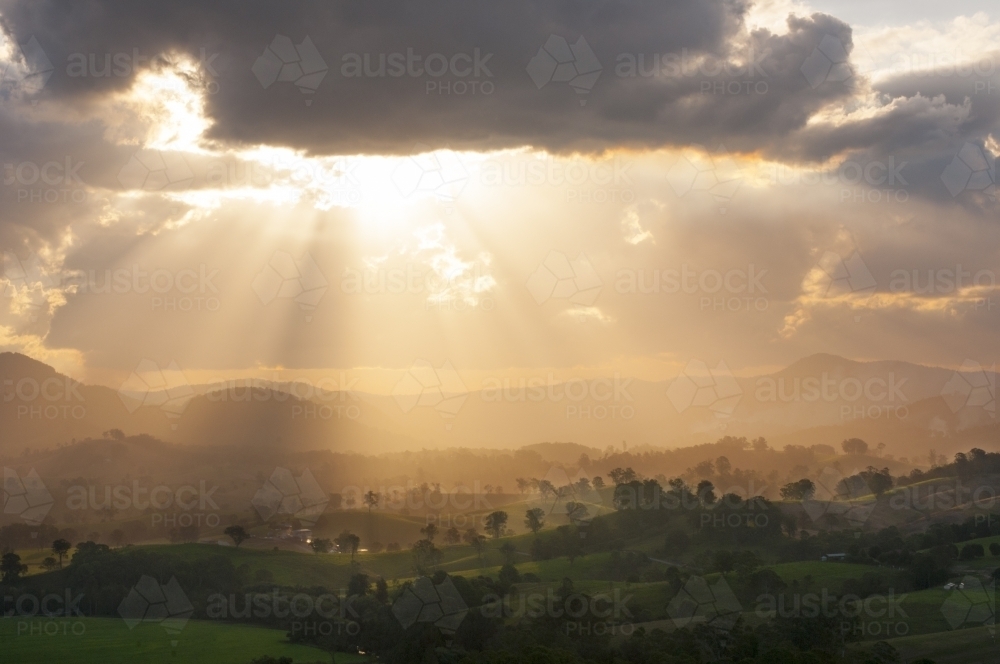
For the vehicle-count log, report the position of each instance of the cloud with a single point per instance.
(249, 168)
(668, 71)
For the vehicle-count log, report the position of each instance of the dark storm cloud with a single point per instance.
(934, 116)
(670, 72)
(46, 178)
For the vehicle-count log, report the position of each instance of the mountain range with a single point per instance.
(822, 398)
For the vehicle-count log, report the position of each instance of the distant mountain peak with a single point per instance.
(817, 363)
(16, 364)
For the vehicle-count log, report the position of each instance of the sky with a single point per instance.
(563, 189)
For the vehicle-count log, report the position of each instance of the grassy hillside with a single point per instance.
(109, 641)
(961, 646)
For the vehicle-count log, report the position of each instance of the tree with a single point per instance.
(495, 523)
(704, 469)
(359, 585)
(598, 482)
(534, 519)
(479, 544)
(11, 568)
(507, 576)
(854, 446)
(321, 546)
(706, 492)
(722, 465)
(376, 547)
(620, 476)
(371, 499)
(476, 541)
(677, 541)
(61, 547)
(429, 531)
(879, 481)
(452, 536)
(723, 561)
(114, 434)
(49, 564)
(238, 534)
(348, 541)
(577, 512)
(994, 549)
(560, 493)
(509, 552)
(381, 591)
(804, 489)
(425, 554)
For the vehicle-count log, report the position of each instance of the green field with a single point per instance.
(109, 641)
(829, 575)
(919, 629)
(331, 570)
(961, 646)
(334, 570)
